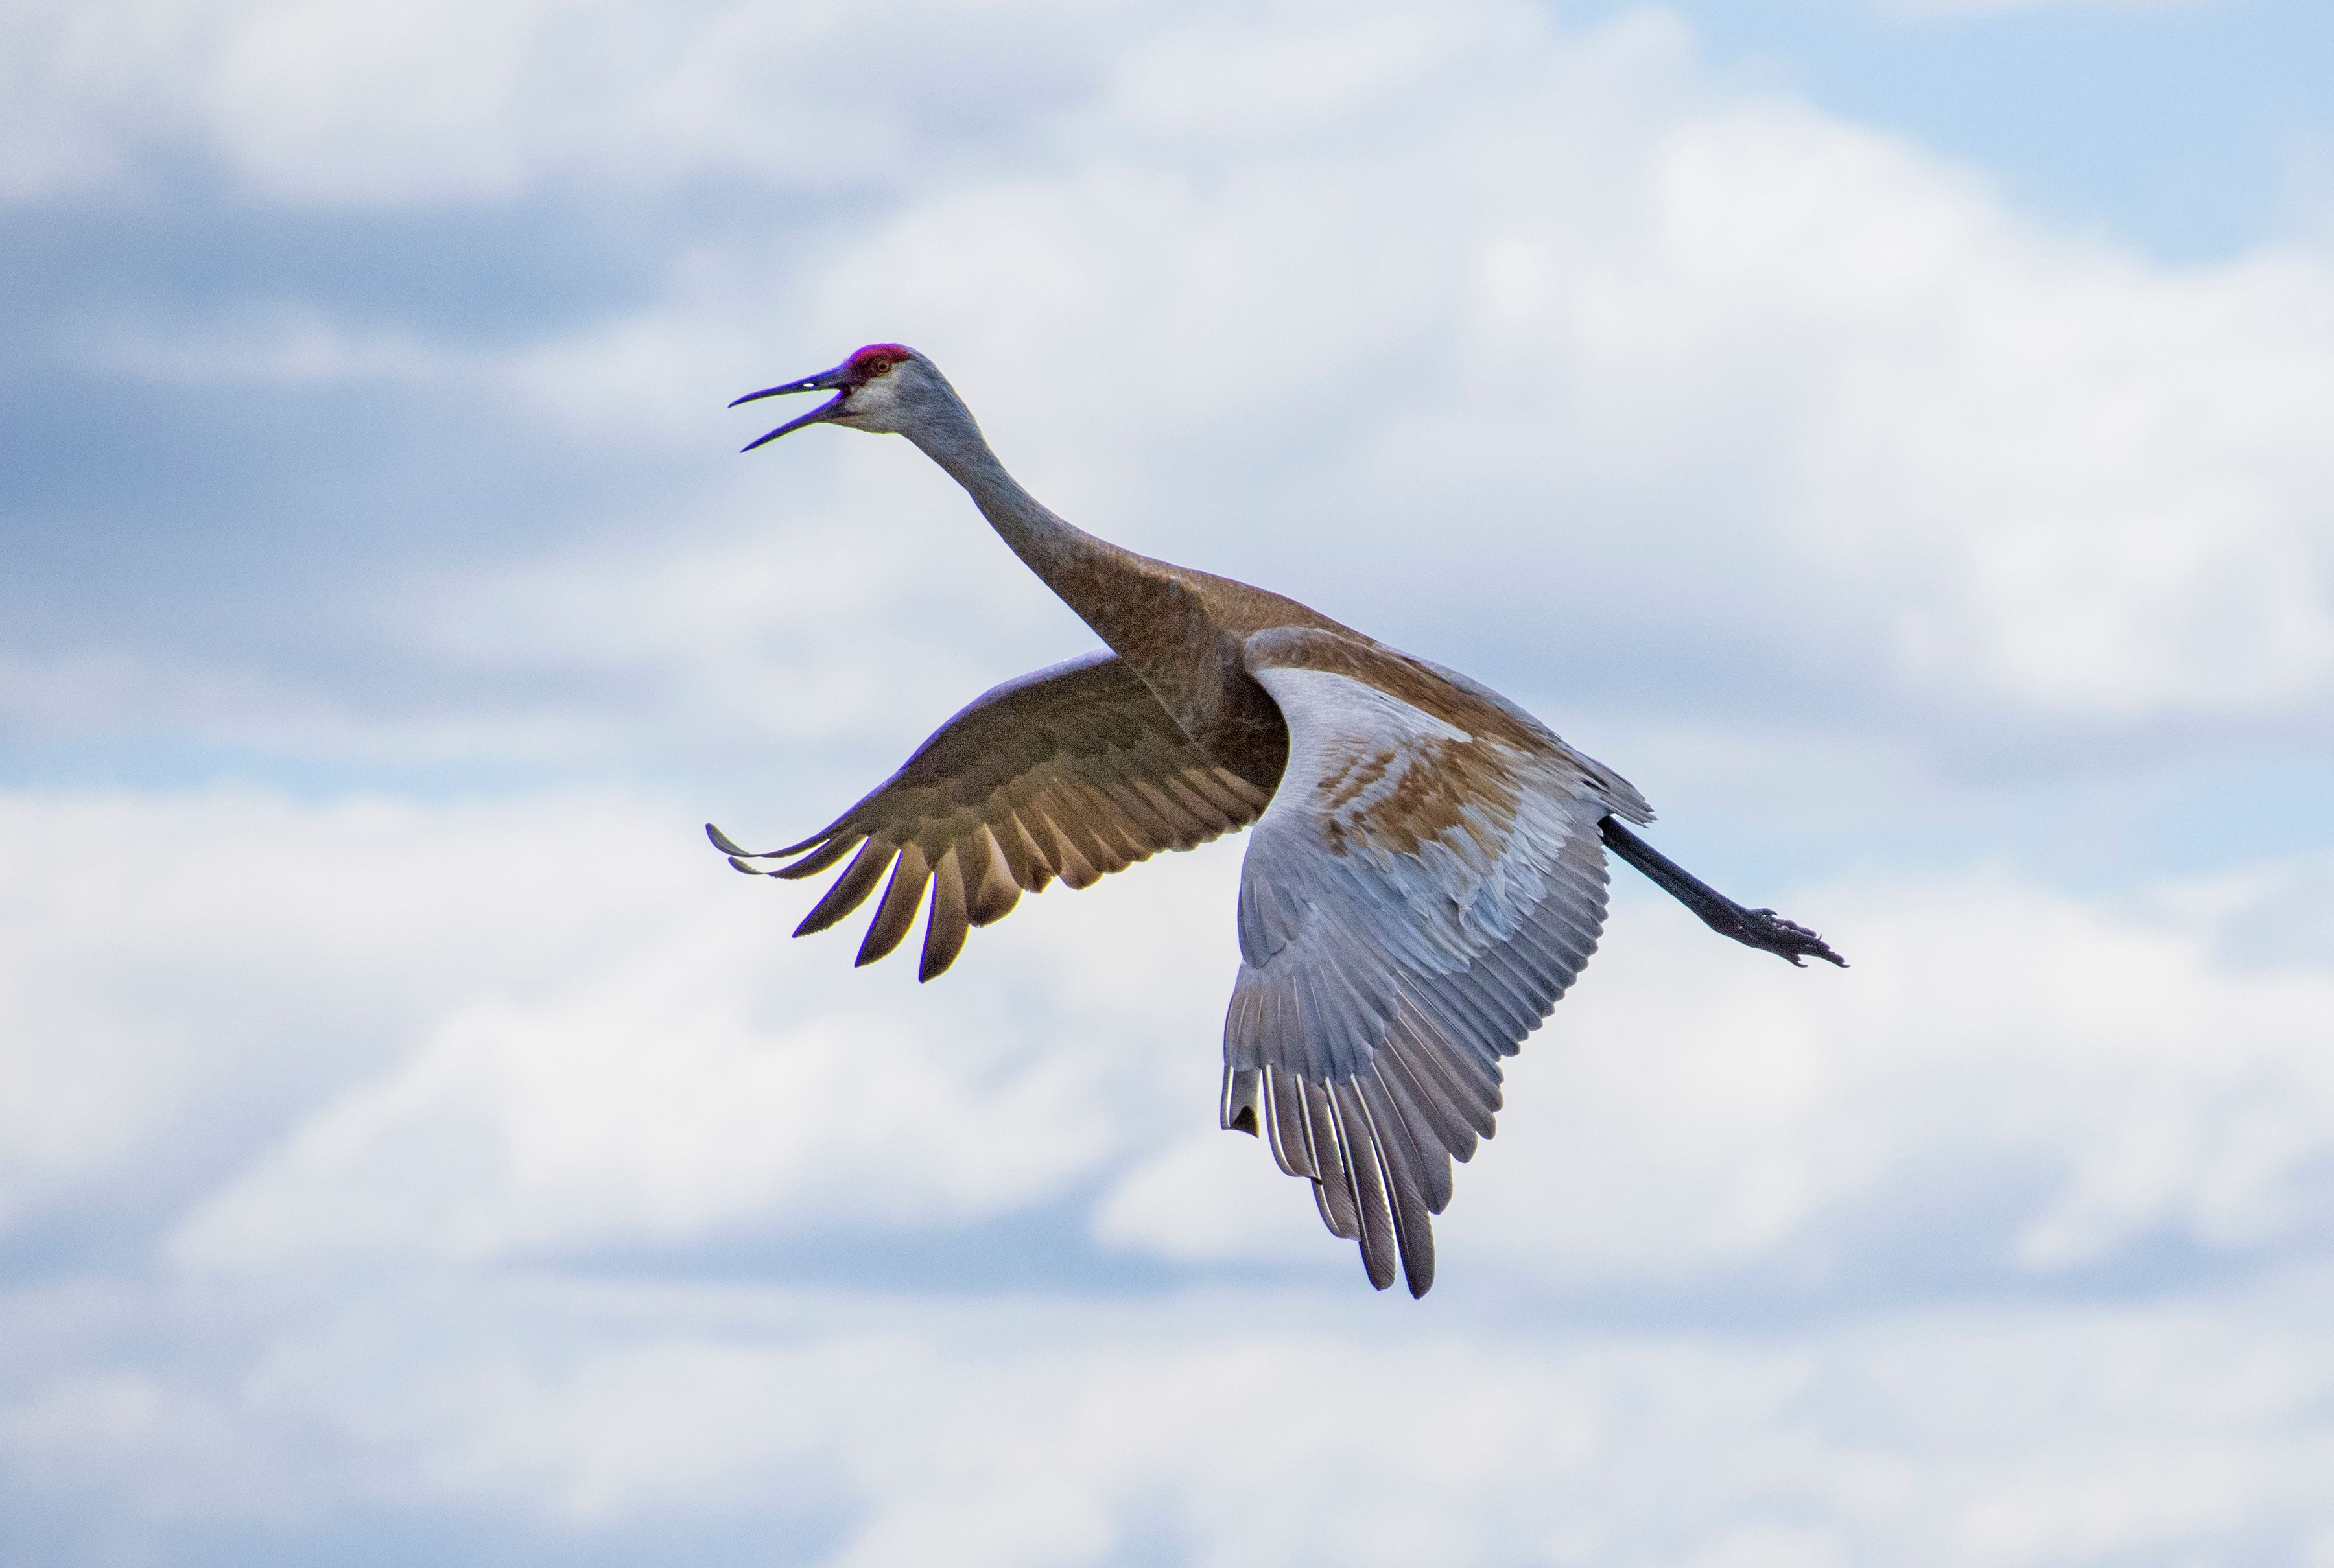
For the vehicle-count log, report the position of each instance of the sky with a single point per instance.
(1889, 432)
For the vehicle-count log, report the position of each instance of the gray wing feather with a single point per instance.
(1413, 902)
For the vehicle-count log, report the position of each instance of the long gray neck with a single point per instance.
(1149, 613)
(1081, 569)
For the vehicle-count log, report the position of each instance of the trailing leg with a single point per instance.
(1760, 929)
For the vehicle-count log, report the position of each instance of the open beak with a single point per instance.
(824, 381)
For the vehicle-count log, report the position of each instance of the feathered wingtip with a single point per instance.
(737, 857)
(958, 901)
(726, 845)
(825, 852)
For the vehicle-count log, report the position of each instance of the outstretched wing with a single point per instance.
(1424, 885)
(1074, 771)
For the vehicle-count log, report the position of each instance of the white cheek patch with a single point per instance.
(875, 405)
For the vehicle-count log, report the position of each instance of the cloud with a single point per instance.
(181, 973)
(2048, 1084)
(457, 1017)
(487, 1177)
(551, 1029)
(1234, 1427)
(1209, 1438)
(309, 101)
(553, 1061)
(1979, 462)
(1548, 354)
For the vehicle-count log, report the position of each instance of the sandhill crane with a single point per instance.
(1426, 876)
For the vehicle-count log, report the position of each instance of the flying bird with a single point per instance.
(1424, 879)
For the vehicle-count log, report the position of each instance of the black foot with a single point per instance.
(1761, 928)
(1769, 932)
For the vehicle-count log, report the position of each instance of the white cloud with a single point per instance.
(1236, 1428)
(552, 1028)
(548, 1023)
(1696, 380)
(1499, 340)
(495, 1037)
(2045, 1082)
(312, 101)
(866, 610)
(1511, 344)
(188, 969)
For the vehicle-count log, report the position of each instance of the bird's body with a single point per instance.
(1426, 875)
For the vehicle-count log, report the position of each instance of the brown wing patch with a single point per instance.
(1398, 798)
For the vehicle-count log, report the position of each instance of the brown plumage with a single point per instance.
(1426, 878)
(1073, 771)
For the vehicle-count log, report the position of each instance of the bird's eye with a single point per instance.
(879, 367)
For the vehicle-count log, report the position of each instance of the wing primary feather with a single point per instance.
(1378, 1249)
(1192, 826)
(1472, 1039)
(1556, 935)
(1532, 985)
(897, 912)
(1570, 932)
(1244, 799)
(1491, 989)
(1244, 1033)
(1321, 1191)
(1339, 1209)
(1069, 861)
(1185, 830)
(1030, 865)
(1243, 1105)
(851, 889)
(1418, 1132)
(738, 865)
(1424, 1099)
(1217, 815)
(1283, 1021)
(995, 891)
(810, 865)
(1068, 809)
(1406, 1184)
(1442, 1074)
(1562, 952)
(1366, 1015)
(1100, 818)
(1313, 1023)
(1117, 785)
(726, 844)
(1496, 990)
(1217, 787)
(945, 927)
(1588, 897)
(1414, 1230)
(1285, 1121)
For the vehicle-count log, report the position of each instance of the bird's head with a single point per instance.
(887, 387)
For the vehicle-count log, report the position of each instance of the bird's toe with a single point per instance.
(1787, 939)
